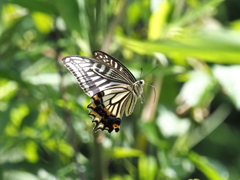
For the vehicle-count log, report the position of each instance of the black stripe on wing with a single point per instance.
(93, 76)
(114, 63)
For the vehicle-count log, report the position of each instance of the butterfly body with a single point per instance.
(112, 88)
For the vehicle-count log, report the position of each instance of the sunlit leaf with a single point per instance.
(213, 47)
(170, 124)
(228, 77)
(211, 172)
(158, 20)
(31, 151)
(13, 175)
(13, 155)
(147, 167)
(43, 22)
(198, 90)
(120, 152)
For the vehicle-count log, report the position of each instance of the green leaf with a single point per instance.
(11, 155)
(209, 170)
(119, 152)
(43, 22)
(36, 5)
(19, 175)
(31, 152)
(147, 168)
(70, 12)
(197, 11)
(158, 20)
(213, 47)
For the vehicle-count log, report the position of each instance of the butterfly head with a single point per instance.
(141, 82)
(137, 88)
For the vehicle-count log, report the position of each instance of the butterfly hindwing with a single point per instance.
(108, 106)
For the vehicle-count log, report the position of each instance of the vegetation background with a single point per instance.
(188, 129)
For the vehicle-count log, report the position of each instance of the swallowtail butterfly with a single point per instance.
(112, 87)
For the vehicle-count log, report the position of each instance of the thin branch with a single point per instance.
(150, 109)
(116, 20)
(97, 150)
(67, 113)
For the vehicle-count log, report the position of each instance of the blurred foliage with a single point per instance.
(188, 128)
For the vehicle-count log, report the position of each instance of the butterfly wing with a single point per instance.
(114, 63)
(107, 107)
(109, 84)
(93, 76)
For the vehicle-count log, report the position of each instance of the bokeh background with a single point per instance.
(188, 126)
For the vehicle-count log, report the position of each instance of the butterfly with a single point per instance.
(112, 87)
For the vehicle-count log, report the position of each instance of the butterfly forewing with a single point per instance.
(114, 63)
(92, 76)
(110, 85)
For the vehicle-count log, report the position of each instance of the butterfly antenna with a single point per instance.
(141, 69)
(150, 84)
(153, 89)
(151, 70)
